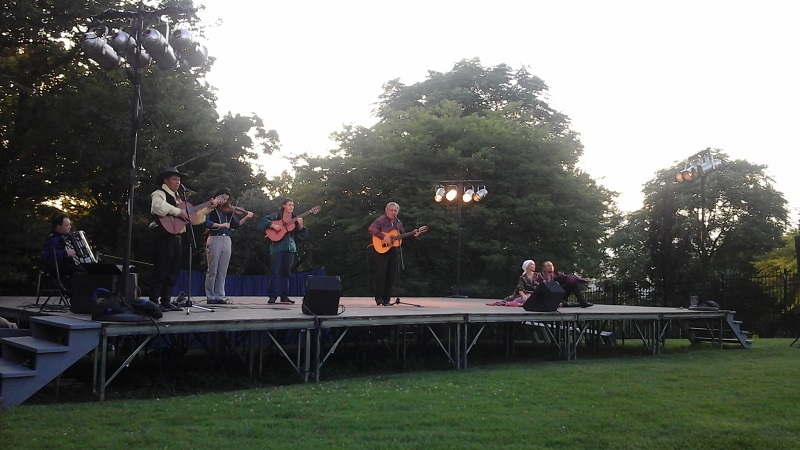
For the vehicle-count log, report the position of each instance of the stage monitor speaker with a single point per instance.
(547, 298)
(322, 295)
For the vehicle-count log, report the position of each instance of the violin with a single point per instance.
(227, 208)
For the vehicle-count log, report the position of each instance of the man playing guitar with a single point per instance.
(388, 228)
(171, 215)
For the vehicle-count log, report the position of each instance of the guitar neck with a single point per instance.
(294, 219)
(403, 236)
(194, 209)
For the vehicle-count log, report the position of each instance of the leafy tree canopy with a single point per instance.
(66, 133)
(686, 231)
(472, 123)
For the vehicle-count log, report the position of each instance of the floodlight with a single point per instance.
(452, 192)
(190, 53)
(439, 195)
(125, 45)
(706, 166)
(158, 47)
(97, 48)
(468, 193)
(480, 194)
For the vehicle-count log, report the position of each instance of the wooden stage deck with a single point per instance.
(463, 320)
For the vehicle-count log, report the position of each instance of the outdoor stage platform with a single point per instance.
(454, 324)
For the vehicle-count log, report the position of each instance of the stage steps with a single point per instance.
(29, 359)
(727, 331)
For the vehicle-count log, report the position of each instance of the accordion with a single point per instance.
(78, 243)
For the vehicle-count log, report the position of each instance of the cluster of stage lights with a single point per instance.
(469, 194)
(692, 173)
(108, 51)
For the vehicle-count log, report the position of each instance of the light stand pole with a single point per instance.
(190, 54)
(458, 192)
(707, 164)
(136, 121)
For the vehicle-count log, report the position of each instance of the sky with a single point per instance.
(646, 84)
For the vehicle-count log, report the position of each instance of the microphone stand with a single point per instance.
(398, 302)
(192, 247)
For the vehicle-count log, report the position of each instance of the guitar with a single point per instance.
(175, 225)
(396, 237)
(287, 225)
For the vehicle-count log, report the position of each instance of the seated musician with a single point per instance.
(58, 252)
(526, 285)
(570, 283)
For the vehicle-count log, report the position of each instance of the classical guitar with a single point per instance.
(175, 225)
(396, 237)
(286, 225)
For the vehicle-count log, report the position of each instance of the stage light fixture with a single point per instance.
(698, 171)
(468, 193)
(125, 45)
(159, 49)
(452, 192)
(439, 195)
(97, 48)
(190, 53)
(480, 194)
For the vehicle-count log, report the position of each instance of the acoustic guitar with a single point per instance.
(396, 237)
(287, 225)
(176, 225)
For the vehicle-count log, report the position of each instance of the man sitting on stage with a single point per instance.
(58, 256)
(570, 283)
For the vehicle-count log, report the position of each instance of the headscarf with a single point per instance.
(525, 264)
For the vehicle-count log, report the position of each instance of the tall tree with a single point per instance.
(472, 123)
(690, 231)
(66, 134)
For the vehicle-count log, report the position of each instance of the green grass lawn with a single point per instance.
(687, 397)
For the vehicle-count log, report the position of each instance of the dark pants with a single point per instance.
(386, 272)
(573, 289)
(280, 271)
(167, 257)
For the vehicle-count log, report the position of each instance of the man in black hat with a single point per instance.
(171, 214)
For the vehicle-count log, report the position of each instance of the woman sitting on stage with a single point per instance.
(526, 285)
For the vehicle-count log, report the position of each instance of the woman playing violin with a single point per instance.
(220, 222)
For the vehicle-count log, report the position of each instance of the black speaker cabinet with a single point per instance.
(83, 285)
(322, 295)
(547, 298)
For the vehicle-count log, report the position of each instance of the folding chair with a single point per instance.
(50, 284)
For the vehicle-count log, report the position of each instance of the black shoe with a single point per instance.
(221, 301)
(586, 305)
(165, 307)
(378, 301)
(271, 300)
(287, 300)
(387, 302)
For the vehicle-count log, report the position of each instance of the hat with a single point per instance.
(525, 264)
(169, 171)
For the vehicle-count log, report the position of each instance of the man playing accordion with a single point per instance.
(58, 252)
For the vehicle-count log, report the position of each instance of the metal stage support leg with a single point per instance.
(99, 379)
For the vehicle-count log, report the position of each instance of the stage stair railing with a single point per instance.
(718, 332)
